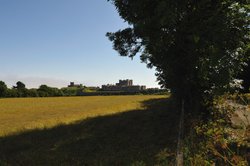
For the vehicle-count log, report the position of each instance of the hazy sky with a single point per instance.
(56, 41)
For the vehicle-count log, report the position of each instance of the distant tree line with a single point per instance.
(111, 93)
(20, 90)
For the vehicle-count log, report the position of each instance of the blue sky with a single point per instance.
(56, 41)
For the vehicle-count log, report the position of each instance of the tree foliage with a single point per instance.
(245, 77)
(3, 89)
(197, 47)
(46, 91)
(20, 90)
(20, 85)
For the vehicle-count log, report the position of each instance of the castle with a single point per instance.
(124, 85)
(72, 84)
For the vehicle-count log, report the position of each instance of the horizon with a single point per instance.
(67, 84)
(46, 42)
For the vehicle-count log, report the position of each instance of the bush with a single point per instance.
(211, 142)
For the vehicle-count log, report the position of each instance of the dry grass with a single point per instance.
(21, 114)
(145, 135)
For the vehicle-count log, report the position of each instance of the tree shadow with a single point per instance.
(118, 139)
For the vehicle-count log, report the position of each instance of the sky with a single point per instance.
(55, 42)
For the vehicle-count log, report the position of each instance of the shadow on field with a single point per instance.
(118, 139)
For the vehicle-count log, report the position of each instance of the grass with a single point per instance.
(20, 114)
(143, 127)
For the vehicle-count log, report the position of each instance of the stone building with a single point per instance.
(126, 82)
(72, 84)
(124, 85)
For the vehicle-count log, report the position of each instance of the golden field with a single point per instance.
(120, 130)
(21, 114)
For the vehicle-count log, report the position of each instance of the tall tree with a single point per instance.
(3, 89)
(21, 89)
(20, 85)
(197, 47)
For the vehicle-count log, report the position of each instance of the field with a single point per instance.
(20, 114)
(111, 130)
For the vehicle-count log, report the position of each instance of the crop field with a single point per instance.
(20, 114)
(100, 130)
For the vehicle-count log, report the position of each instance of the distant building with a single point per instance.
(124, 85)
(72, 84)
